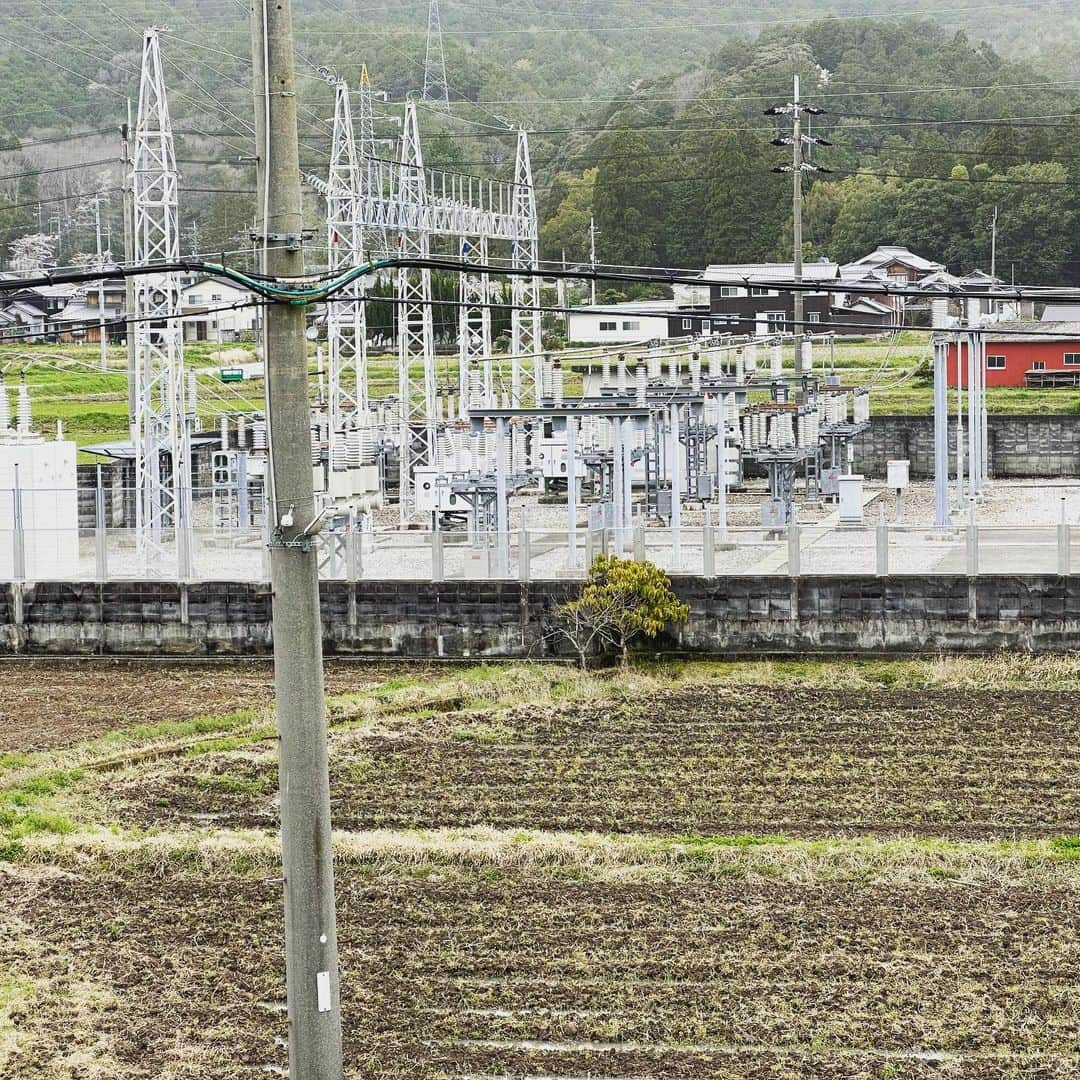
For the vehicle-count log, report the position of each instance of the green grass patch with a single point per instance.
(225, 744)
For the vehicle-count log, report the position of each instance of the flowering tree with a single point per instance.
(30, 252)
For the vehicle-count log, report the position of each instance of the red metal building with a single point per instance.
(1038, 355)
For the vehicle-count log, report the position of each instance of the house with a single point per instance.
(23, 321)
(634, 321)
(80, 318)
(209, 314)
(749, 298)
(1026, 354)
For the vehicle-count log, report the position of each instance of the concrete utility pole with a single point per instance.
(592, 260)
(796, 209)
(102, 334)
(311, 953)
(795, 109)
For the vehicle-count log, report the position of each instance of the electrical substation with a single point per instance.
(483, 464)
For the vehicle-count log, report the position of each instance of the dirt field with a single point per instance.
(46, 705)
(694, 761)
(546, 875)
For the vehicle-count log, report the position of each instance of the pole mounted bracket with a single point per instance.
(290, 241)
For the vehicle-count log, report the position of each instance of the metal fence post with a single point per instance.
(19, 538)
(101, 537)
(437, 556)
(882, 544)
(639, 541)
(1064, 538)
(524, 556)
(793, 550)
(352, 549)
(708, 551)
(972, 542)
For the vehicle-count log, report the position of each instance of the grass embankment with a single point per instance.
(662, 872)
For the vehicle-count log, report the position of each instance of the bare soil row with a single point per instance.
(452, 971)
(811, 763)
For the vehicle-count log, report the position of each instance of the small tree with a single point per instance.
(621, 600)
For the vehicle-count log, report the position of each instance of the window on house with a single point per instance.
(729, 290)
(687, 324)
(215, 297)
(608, 325)
(632, 325)
(195, 298)
(1038, 365)
(815, 316)
(995, 362)
(1072, 358)
(774, 321)
(756, 290)
(706, 326)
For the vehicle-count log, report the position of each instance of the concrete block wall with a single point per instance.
(1019, 446)
(729, 617)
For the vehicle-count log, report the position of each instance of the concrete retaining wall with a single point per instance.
(730, 616)
(1019, 446)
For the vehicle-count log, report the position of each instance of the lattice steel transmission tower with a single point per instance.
(159, 427)
(525, 340)
(345, 322)
(372, 180)
(416, 334)
(435, 88)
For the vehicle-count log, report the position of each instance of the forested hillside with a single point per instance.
(647, 114)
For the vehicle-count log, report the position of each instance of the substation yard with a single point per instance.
(749, 870)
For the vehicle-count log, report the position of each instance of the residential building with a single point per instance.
(633, 321)
(210, 314)
(1026, 354)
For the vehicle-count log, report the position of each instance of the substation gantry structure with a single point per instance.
(161, 414)
(402, 208)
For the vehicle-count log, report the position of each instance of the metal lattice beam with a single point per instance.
(417, 401)
(345, 323)
(160, 431)
(525, 332)
(435, 86)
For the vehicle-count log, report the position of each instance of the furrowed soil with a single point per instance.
(553, 877)
(709, 761)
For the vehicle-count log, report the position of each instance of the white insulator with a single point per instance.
(620, 374)
(192, 393)
(800, 430)
(761, 434)
(545, 374)
(715, 367)
(605, 371)
(787, 431)
(475, 386)
(5, 410)
(241, 432)
(557, 383)
(23, 413)
(367, 445)
(777, 360)
(223, 427)
(258, 435)
(316, 449)
(750, 359)
(518, 460)
(674, 374)
(653, 361)
(731, 407)
(352, 448)
(641, 383)
(748, 432)
(740, 366)
(807, 356)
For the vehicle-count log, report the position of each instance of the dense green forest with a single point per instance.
(647, 116)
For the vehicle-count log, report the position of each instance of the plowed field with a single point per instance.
(554, 879)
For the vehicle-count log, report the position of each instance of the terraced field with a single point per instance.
(711, 871)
